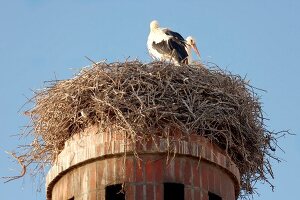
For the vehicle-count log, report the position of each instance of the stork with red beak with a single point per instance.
(166, 45)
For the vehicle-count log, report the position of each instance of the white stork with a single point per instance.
(164, 44)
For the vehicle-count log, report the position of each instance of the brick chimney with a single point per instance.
(92, 166)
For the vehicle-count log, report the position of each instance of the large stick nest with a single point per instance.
(150, 98)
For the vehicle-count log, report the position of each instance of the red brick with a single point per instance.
(159, 192)
(98, 149)
(149, 144)
(121, 170)
(204, 176)
(146, 181)
(197, 194)
(130, 191)
(64, 188)
(100, 195)
(139, 192)
(92, 196)
(214, 155)
(194, 137)
(100, 174)
(139, 146)
(158, 170)
(70, 184)
(139, 175)
(178, 170)
(196, 179)
(169, 170)
(149, 171)
(107, 136)
(116, 147)
(76, 182)
(217, 181)
(204, 195)
(83, 178)
(222, 160)
(110, 170)
(187, 172)
(231, 190)
(149, 192)
(129, 169)
(107, 148)
(211, 179)
(208, 153)
(227, 162)
(224, 184)
(188, 194)
(92, 176)
(118, 136)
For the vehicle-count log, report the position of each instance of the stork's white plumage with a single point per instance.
(166, 45)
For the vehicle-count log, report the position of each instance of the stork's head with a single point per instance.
(154, 25)
(192, 43)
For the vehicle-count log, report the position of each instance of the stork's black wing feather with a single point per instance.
(162, 47)
(180, 50)
(174, 34)
(175, 46)
(172, 48)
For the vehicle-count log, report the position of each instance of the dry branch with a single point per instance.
(150, 98)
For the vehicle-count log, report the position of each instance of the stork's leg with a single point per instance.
(150, 54)
(174, 58)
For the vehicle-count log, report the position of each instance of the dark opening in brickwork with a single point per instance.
(174, 191)
(114, 192)
(212, 196)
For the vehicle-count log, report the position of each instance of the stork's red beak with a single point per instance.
(194, 46)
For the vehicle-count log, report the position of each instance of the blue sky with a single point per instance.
(41, 40)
